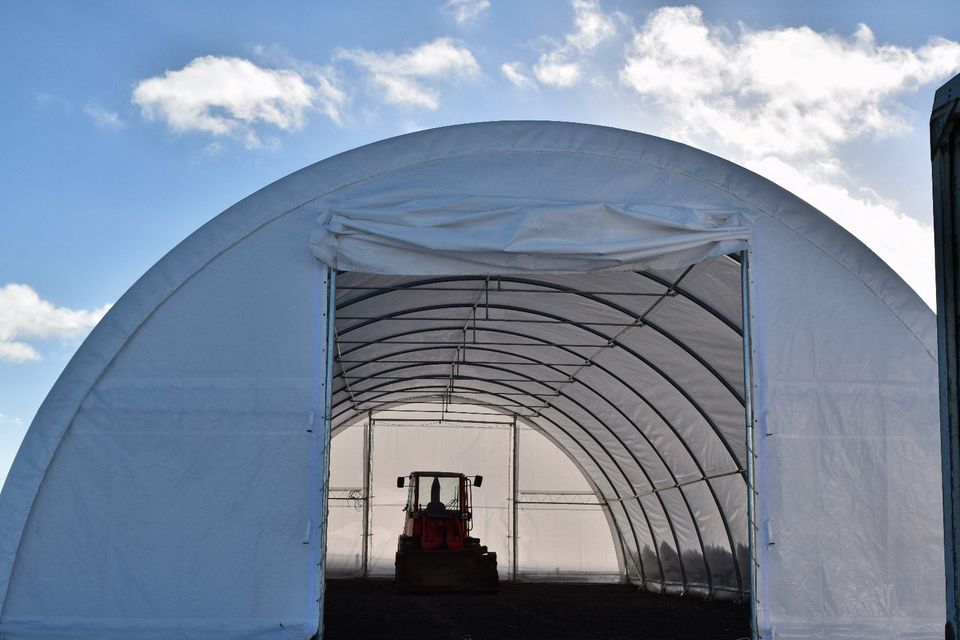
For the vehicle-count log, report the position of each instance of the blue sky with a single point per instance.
(128, 125)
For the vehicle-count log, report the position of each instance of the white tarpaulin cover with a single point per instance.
(490, 234)
(584, 279)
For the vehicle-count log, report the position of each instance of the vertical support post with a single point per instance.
(944, 156)
(515, 495)
(367, 506)
(750, 451)
(320, 430)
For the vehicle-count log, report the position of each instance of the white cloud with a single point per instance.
(10, 421)
(785, 91)
(14, 351)
(562, 66)
(213, 149)
(25, 316)
(409, 79)
(553, 69)
(783, 102)
(592, 25)
(331, 99)
(466, 11)
(513, 71)
(229, 96)
(103, 118)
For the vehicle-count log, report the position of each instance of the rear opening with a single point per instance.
(535, 508)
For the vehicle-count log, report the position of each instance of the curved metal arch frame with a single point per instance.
(640, 396)
(620, 500)
(609, 304)
(599, 366)
(628, 450)
(727, 529)
(593, 298)
(685, 586)
(555, 392)
(547, 343)
(571, 291)
(612, 523)
(696, 299)
(643, 274)
(583, 428)
(558, 319)
(630, 314)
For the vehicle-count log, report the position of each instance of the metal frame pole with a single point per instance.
(515, 496)
(944, 156)
(367, 473)
(324, 394)
(749, 434)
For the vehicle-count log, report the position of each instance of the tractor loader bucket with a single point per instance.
(466, 571)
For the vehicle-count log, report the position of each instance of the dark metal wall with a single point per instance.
(945, 153)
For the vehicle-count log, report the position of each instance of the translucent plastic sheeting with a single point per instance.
(347, 501)
(562, 530)
(345, 538)
(566, 543)
(402, 447)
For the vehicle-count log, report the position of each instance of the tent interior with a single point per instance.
(605, 412)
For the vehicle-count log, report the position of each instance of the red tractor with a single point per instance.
(435, 551)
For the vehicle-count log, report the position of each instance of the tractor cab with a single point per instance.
(438, 511)
(435, 551)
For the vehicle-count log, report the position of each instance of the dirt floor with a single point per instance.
(372, 609)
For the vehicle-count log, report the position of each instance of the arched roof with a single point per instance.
(594, 254)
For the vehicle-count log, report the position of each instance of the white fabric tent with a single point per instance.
(585, 279)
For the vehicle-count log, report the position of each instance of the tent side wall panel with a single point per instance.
(180, 493)
(849, 454)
